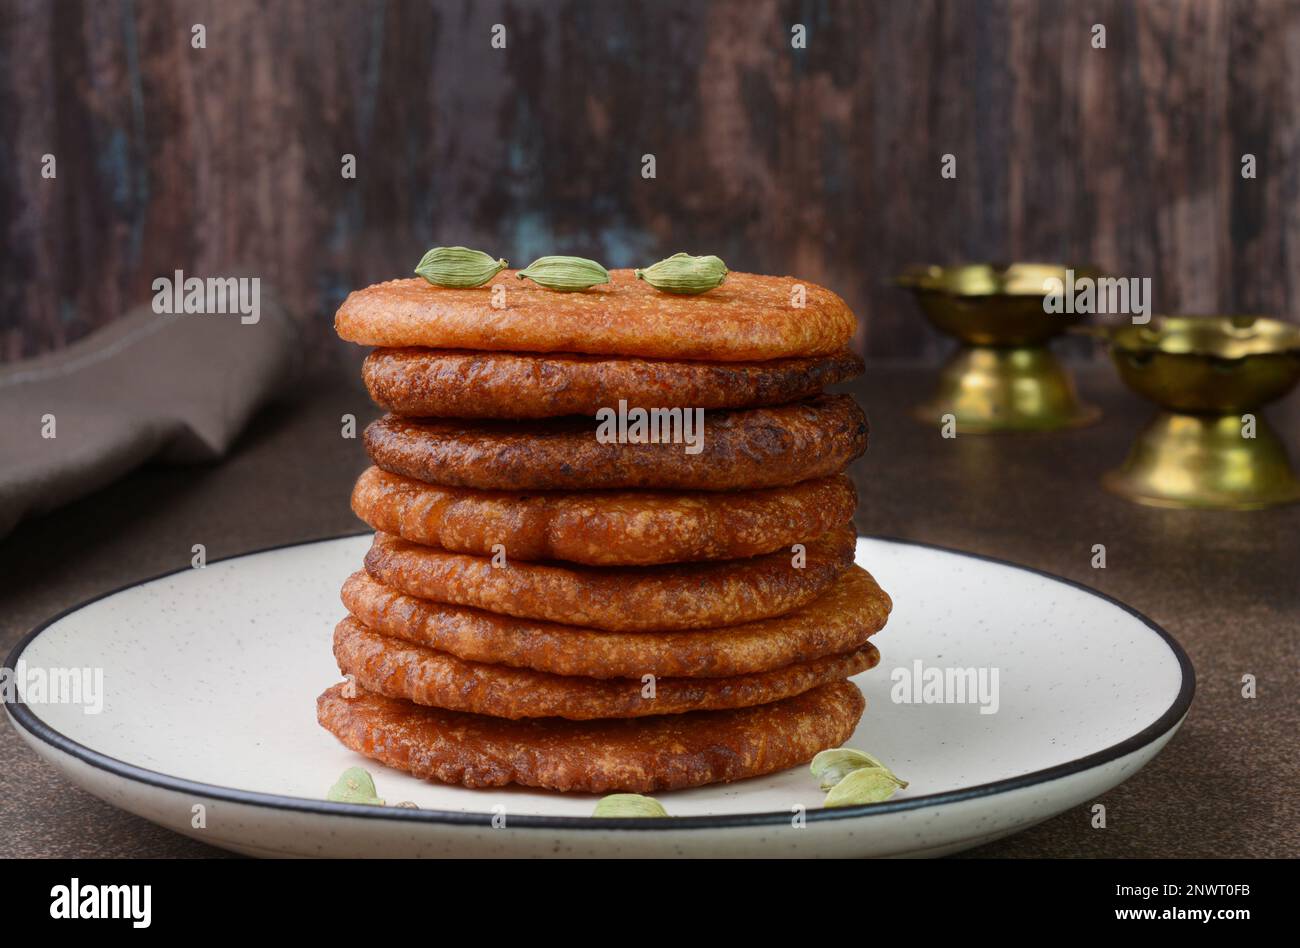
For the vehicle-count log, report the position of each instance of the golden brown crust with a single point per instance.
(454, 383)
(603, 528)
(623, 599)
(747, 318)
(841, 620)
(742, 450)
(635, 755)
(398, 669)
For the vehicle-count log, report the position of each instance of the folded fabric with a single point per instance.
(177, 388)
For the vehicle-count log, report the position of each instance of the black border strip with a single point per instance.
(22, 715)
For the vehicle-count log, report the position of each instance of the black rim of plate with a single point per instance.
(22, 715)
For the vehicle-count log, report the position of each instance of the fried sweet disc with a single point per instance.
(623, 599)
(742, 450)
(398, 669)
(636, 755)
(603, 528)
(453, 383)
(841, 620)
(747, 318)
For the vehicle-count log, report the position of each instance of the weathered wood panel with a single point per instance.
(822, 161)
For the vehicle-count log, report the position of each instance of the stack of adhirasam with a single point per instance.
(574, 583)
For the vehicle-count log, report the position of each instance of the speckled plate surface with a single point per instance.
(208, 727)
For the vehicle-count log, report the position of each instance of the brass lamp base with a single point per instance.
(1020, 388)
(1185, 460)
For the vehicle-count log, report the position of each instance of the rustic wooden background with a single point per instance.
(823, 162)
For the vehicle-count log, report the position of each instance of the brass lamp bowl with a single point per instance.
(1003, 378)
(1208, 447)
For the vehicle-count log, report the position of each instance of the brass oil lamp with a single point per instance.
(1208, 446)
(1003, 377)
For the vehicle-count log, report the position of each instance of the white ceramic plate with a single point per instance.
(210, 678)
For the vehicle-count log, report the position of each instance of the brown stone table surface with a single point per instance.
(1226, 585)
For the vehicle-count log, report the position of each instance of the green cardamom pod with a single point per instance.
(682, 273)
(566, 274)
(867, 785)
(629, 804)
(355, 786)
(458, 267)
(832, 766)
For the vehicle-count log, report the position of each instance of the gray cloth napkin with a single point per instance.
(177, 388)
